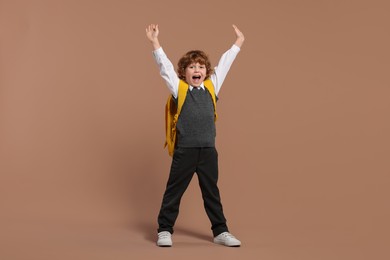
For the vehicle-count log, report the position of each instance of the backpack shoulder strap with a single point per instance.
(210, 87)
(172, 112)
(181, 95)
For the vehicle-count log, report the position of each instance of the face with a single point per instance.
(195, 74)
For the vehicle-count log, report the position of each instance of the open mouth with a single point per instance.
(196, 80)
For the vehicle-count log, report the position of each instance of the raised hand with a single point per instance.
(240, 36)
(152, 34)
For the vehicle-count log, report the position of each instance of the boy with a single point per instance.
(195, 147)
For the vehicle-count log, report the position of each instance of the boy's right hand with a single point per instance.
(152, 34)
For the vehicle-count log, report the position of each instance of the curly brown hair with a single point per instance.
(195, 56)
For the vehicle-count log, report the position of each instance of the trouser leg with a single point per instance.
(207, 170)
(182, 170)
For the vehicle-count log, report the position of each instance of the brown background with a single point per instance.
(303, 130)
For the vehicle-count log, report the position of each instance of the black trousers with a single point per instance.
(185, 162)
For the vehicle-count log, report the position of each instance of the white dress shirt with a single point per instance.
(168, 73)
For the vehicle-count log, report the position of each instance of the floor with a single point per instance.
(57, 240)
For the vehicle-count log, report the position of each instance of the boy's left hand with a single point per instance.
(240, 36)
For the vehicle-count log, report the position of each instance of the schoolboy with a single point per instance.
(195, 147)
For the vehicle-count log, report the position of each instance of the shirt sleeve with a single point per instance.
(224, 64)
(167, 71)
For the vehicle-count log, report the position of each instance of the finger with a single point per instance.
(236, 30)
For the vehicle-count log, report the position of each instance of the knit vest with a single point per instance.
(196, 127)
(190, 118)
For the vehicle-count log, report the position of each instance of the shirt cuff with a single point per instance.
(236, 48)
(158, 52)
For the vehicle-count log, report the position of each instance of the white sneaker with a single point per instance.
(164, 239)
(227, 239)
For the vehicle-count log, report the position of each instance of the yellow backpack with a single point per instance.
(172, 112)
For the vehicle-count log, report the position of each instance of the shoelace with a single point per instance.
(227, 235)
(164, 235)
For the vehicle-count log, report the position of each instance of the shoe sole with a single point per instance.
(222, 244)
(164, 245)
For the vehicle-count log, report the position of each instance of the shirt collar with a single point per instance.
(201, 86)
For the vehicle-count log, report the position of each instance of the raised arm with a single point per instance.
(225, 62)
(167, 70)
(152, 34)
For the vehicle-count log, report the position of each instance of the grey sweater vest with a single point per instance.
(195, 126)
